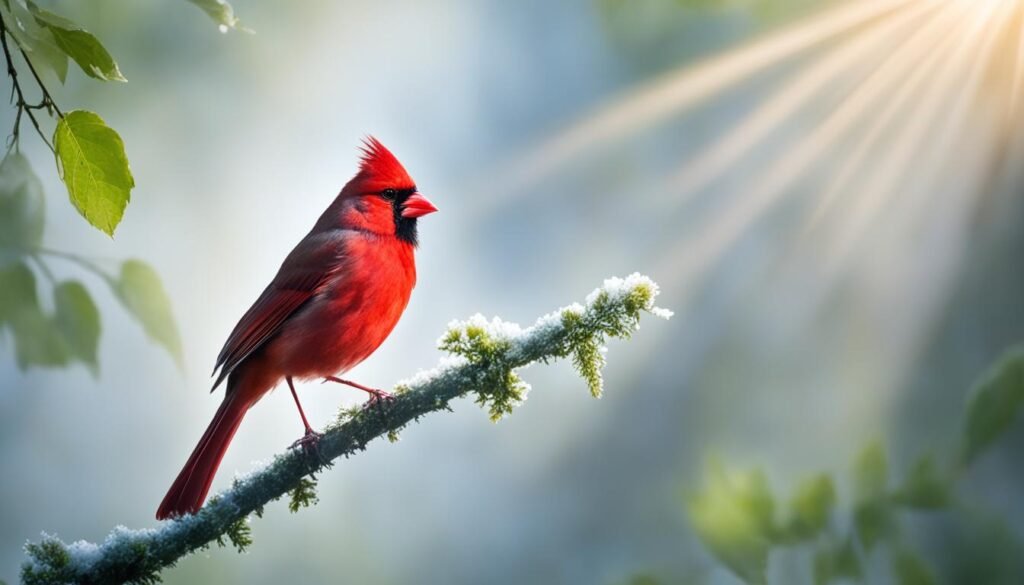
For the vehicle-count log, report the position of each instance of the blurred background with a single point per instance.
(829, 194)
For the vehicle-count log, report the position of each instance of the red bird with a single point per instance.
(334, 300)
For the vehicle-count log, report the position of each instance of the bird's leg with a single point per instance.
(311, 437)
(377, 397)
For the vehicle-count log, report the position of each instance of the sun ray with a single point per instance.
(717, 234)
(863, 51)
(919, 144)
(1018, 74)
(675, 92)
(894, 112)
(932, 128)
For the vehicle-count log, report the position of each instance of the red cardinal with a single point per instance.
(335, 299)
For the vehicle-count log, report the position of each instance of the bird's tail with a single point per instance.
(189, 490)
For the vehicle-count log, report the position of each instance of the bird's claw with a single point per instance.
(308, 441)
(379, 398)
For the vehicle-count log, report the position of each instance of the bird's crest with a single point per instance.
(378, 164)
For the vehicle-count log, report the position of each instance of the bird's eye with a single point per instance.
(389, 194)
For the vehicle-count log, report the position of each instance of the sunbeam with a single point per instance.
(886, 121)
(674, 93)
(860, 53)
(716, 234)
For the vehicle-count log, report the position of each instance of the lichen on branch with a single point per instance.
(483, 360)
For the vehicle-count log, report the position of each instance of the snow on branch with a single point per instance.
(483, 360)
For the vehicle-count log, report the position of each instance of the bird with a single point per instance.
(335, 299)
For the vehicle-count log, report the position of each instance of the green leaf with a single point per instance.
(837, 561)
(22, 208)
(994, 404)
(733, 515)
(924, 488)
(141, 292)
(872, 515)
(78, 321)
(38, 43)
(910, 569)
(80, 45)
(811, 507)
(17, 292)
(95, 168)
(37, 340)
(221, 12)
(874, 522)
(871, 472)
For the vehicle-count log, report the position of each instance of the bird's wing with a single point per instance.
(300, 277)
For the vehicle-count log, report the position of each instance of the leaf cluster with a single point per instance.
(91, 160)
(738, 518)
(70, 332)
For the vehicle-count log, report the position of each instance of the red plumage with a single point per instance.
(334, 300)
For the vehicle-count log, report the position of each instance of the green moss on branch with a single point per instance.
(485, 357)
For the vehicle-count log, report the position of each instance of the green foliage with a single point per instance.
(78, 321)
(49, 562)
(33, 38)
(811, 507)
(613, 311)
(836, 561)
(871, 472)
(73, 331)
(142, 293)
(873, 522)
(78, 44)
(95, 168)
(733, 514)
(22, 208)
(37, 338)
(499, 388)
(221, 12)
(871, 514)
(91, 161)
(994, 404)
(239, 533)
(924, 488)
(910, 569)
(303, 495)
(586, 353)
(91, 154)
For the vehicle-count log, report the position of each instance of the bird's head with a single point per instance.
(382, 198)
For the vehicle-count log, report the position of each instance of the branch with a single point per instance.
(22, 104)
(485, 357)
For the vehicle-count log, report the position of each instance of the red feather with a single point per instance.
(334, 300)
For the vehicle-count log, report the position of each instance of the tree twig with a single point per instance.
(22, 104)
(487, 354)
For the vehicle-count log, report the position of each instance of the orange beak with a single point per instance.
(417, 206)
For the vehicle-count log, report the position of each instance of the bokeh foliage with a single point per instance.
(742, 521)
(91, 159)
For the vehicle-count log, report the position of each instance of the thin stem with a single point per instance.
(47, 98)
(22, 104)
(80, 260)
(43, 268)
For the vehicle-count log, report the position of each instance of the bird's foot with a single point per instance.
(378, 398)
(309, 441)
